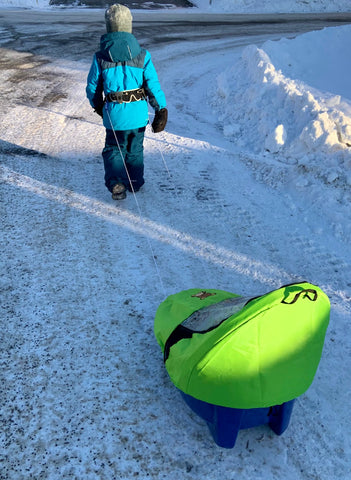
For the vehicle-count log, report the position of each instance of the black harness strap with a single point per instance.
(126, 96)
(178, 334)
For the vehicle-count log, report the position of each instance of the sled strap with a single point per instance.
(178, 334)
(313, 297)
(126, 96)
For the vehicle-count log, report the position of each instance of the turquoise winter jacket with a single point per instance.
(121, 64)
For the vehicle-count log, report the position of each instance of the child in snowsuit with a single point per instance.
(121, 79)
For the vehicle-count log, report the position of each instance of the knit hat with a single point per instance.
(118, 18)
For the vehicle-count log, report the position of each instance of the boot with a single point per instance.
(119, 192)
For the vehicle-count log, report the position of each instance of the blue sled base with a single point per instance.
(224, 422)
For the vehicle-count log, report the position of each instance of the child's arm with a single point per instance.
(94, 89)
(155, 95)
(152, 85)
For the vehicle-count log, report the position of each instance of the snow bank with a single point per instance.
(25, 3)
(292, 99)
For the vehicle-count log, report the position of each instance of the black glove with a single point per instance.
(160, 120)
(98, 110)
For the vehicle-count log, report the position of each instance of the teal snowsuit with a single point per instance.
(120, 65)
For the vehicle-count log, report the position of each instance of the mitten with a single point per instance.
(160, 120)
(98, 110)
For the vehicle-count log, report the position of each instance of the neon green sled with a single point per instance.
(242, 352)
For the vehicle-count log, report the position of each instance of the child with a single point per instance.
(125, 74)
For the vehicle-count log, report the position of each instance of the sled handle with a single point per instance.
(297, 296)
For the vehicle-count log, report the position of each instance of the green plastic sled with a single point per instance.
(237, 352)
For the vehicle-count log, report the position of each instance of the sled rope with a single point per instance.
(173, 185)
(163, 158)
(137, 204)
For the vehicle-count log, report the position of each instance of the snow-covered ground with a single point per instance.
(248, 189)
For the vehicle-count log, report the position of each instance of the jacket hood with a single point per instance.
(119, 46)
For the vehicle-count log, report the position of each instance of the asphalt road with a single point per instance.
(134, 4)
(74, 34)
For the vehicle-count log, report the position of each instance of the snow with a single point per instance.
(26, 3)
(273, 6)
(253, 194)
(297, 107)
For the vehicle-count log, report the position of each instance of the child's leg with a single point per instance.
(135, 158)
(113, 162)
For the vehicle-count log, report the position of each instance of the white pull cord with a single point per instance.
(137, 203)
(204, 265)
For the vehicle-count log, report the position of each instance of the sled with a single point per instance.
(243, 353)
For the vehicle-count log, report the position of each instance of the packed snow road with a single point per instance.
(84, 391)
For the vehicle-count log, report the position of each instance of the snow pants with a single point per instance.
(128, 155)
